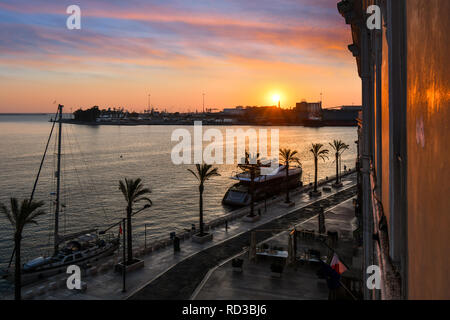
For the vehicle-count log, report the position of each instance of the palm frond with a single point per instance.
(289, 155)
(26, 213)
(136, 185)
(7, 213)
(195, 174)
(212, 173)
(339, 146)
(14, 209)
(133, 190)
(204, 172)
(318, 152)
(123, 188)
(144, 199)
(35, 214)
(142, 191)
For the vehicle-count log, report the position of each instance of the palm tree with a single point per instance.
(318, 152)
(339, 147)
(204, 172)
(133, 192)
(251, 166)
(288, 156)
(20, 216)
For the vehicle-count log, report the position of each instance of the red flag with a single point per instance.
(337, 265)
(120, 229)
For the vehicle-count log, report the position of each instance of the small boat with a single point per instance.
(265, 186)
(77, 251)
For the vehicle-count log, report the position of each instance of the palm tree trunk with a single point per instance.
(315, 174)
(129, 235)
(287, 183)
(201, 188)
(17, 273)
(337, 168)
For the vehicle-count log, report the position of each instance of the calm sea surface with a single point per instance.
(96, 157)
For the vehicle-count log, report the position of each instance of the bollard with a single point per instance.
(93, 271)
(109, 264)
(41, 290)
(29, 294)
(83, 286)
(53, 285)
(148, 250)
(176, 244)
(62, 283)
(101, 269)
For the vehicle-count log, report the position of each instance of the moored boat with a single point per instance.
(264, 185)
(76, 248)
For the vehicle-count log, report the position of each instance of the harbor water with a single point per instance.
(95, 158)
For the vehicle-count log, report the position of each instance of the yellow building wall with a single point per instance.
(428, 148)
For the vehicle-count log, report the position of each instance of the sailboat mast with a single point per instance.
(58, 181)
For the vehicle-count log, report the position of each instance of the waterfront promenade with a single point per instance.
(169, 275)
(299, 280)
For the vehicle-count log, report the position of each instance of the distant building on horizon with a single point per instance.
(308, 110)
(239, 110)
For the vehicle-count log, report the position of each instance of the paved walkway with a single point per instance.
(180, 281)
(108, 285)
(298, 281)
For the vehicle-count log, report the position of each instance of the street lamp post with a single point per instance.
(145, 235)
(142, 209)
(124, 264)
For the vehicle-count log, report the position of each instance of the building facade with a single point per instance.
(308, 110)
(404, 143)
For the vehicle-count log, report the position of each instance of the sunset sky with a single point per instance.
(236, 52)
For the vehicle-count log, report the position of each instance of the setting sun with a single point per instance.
(276, 98)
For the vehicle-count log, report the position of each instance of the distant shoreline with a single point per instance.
(25, 114)
(205, 123)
